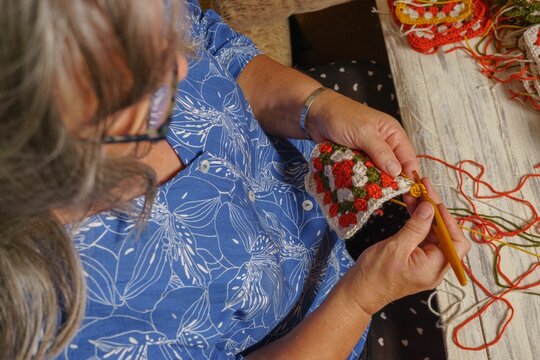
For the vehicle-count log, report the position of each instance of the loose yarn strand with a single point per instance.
(488, 230)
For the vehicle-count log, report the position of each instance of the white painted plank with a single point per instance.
(450, 110)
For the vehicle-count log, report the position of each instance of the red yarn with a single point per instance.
(493, 230)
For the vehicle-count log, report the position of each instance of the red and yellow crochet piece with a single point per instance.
(421, 12)
(428, 38)
(349, 187)
(508, 51)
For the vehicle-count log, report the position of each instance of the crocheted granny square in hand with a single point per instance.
(349, 187)
(420, 12)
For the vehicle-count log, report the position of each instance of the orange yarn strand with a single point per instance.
(485, 232)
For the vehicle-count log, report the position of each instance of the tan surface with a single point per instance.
(266, 22)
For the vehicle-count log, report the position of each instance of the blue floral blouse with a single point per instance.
(235, 252)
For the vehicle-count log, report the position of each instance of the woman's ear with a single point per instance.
(181, 66)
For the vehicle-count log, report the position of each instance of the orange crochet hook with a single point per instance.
(441, 231)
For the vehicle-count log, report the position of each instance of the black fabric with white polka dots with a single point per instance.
(365, 81)
(404, 329)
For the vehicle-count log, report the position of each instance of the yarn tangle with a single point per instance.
(489, 231)
(508, 51)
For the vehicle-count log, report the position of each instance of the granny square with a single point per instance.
(348, 187)
(529, 43)
(428, 38)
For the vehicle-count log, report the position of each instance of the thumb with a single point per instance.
(382, 154)
(417, 228)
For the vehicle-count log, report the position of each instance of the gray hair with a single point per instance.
(65, 64)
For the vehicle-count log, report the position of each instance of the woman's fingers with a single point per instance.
(450, 222)
(461, 243)
(433, 194)
(416, 228)
(380, 152)
(403, 149)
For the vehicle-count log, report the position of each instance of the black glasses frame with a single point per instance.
(152, 135)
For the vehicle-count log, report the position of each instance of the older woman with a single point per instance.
(205, 245)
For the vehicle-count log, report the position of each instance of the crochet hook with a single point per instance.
(441, 231)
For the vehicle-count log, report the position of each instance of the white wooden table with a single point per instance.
(450, 110)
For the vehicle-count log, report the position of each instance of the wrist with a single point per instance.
(361, 294)
(319, 113)
(306, 111)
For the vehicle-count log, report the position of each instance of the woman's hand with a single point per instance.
(406, 263)
(334, 117)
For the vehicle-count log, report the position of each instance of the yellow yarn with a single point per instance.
(516, 247)
(419, 189)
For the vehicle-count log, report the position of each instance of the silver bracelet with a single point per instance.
(305, 110)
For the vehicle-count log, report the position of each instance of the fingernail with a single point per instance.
(393, 168)
(424, 210)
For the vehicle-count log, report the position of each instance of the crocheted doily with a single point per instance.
(348, 187)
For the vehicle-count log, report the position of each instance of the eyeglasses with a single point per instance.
(158, 118)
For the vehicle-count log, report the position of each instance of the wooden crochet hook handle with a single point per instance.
(441, 231)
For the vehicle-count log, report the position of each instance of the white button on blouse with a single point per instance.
(307, 205)
(204, 166)
(251, 195)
